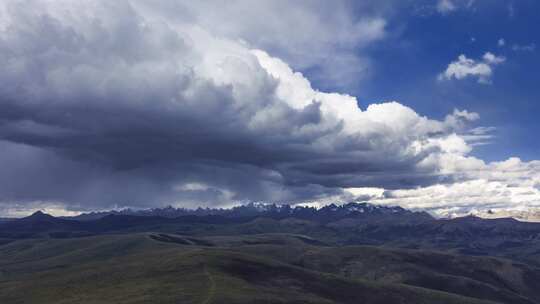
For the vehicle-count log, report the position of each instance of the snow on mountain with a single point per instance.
(257, 208)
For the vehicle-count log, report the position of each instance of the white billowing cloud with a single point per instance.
(465, 67)
(318, 34)
(391, 116)
(498, 186)
(460, 119)
(492, 59)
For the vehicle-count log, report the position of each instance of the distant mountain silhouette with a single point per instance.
(36, 223)
(348, 224)
(326, 213)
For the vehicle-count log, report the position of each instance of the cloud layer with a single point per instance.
(116, 104)
(314, 35)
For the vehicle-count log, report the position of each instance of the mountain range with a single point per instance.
(253, 209)
(257, 253)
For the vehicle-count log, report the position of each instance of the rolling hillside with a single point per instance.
(136, 268)
(340, 254)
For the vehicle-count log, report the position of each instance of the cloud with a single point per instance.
(508, 185)
(117, 104)
(123, 107)
(445, 7)
(501, 42)
(465, 67)
(511, 10)
(308, 35)
(524, 48)
(492, 59)
(479, 136)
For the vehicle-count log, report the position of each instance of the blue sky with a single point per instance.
(422, 42)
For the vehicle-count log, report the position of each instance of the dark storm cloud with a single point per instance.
(101, 104)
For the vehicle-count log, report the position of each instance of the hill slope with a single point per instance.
(137, 268)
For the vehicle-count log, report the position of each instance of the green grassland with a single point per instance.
(269, 268)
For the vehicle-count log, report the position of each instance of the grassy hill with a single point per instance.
(326, 256)
(474, 276)
(350, 224)
(138, 268)
(166, 268)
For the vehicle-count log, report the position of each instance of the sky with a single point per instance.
(430, 105)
